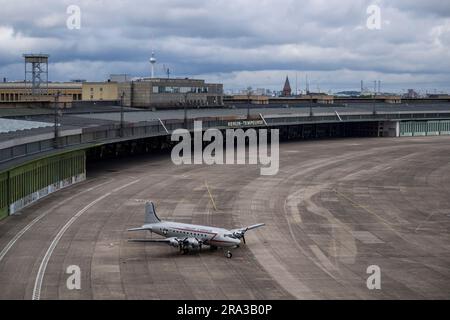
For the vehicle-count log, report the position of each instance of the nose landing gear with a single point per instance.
(229, 255)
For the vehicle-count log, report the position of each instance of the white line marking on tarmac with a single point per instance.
(125, 186)
(48, 254)
(322, 258)
(16, 238)
(420, 225)
(210, 196)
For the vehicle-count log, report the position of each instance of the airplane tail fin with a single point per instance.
(150, 214)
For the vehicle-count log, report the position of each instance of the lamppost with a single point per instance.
(56, 118)
(185, 108)
(121, 114)
(311, 114)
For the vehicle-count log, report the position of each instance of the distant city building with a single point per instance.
(411, 94)
(287, 91)
(438, 96)
(260, 92)
(348, 94)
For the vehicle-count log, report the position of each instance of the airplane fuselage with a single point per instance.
(207, 235)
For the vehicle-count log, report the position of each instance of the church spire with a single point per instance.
(287, 91)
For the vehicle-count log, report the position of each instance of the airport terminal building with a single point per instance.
(166, 93)
(15, 92)
(142, 93)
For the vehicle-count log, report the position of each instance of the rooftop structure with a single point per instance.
(36, 72)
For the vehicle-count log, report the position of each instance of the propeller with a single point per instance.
(240, 235)
(181, 244)
(200, 244)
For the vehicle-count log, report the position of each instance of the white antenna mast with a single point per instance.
(307, 84)
(167, 71)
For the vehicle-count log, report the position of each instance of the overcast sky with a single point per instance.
(236, 42)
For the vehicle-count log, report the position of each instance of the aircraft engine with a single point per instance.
(238, 235)
(174, 243)
(193, 243)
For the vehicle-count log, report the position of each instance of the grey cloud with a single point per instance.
(231, 37)
(420, 8)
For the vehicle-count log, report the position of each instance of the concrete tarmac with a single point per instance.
(335, 208)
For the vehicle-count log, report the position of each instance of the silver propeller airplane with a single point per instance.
(187, 237)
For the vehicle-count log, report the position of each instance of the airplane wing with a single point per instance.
(240, 233)
(150, 240)
(244, 230)
(182, 244)
(138, 229)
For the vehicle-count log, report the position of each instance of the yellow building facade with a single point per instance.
(21, 91)
(100, 91)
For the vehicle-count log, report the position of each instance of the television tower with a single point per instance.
(152, 63)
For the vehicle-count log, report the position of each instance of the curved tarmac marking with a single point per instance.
(48, 254)
(13, 241)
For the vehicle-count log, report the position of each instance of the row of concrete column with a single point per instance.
(10, 96)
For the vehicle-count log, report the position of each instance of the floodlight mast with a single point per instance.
(36, 73)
